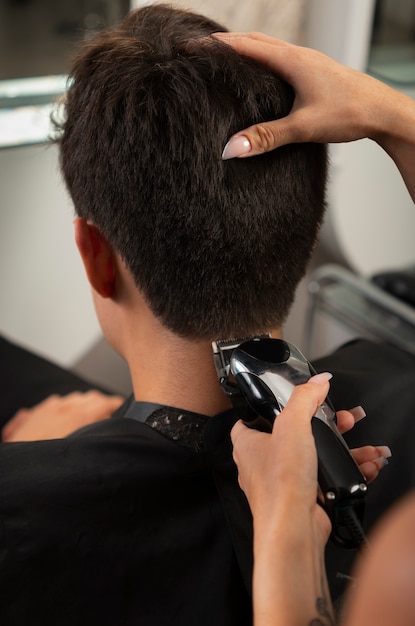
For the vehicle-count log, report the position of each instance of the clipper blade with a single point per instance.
(222, 352)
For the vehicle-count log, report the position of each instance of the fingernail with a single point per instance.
(358, 413)
(384, 451)
(381, 462)
(321, 378)
(235, 147)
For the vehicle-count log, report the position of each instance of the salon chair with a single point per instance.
(360, 306)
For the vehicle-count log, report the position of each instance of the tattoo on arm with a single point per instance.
(324, 610)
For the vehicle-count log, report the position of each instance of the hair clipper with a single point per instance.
(263, 373)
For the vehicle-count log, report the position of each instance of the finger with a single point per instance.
(96, 400)
(345, 421)
(305, 399)
(358, 413)
(234, 34)
(114, 402)
(14, 423)
(369, 453)
(371, 469)
(262, 48)
(258, 139)
(297, 415)
(371, 459)
(267, 136)
(237, 431)
(304, 402)
(21, 417)
(90, 400)
(242, 436)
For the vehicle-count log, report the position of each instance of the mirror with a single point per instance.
(392, 52)
(37, 38)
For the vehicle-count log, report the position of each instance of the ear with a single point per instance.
(97, 256)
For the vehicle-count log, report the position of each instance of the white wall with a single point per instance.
(45, 299)
(371, 218)
(341, 29)
(279, 18)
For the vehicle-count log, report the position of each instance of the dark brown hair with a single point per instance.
(217, 247)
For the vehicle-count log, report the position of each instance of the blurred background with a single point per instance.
(370, 225)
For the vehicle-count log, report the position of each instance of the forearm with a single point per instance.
(393, 128)
(289, 581)
(290, 528)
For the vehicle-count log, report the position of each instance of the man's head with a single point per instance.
(216, 247)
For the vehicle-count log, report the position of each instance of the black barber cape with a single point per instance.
(120, 524)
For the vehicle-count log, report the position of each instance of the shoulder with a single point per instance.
(108, 450)
(368, 355)
(366, 371)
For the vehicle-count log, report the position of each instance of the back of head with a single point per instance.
(216, 247)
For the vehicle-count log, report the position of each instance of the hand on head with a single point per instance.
(327, 106)
(333, 103)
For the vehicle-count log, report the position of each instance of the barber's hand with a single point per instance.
(371, 459)
(333, 103)
(278, 471)
(59, 416)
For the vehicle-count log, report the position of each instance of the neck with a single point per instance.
(177, 372)
(165, 368)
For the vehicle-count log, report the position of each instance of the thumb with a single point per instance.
(259, 138)
(305, 399)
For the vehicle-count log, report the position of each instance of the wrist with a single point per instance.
(392, 118)
(292, 536)
(291, 517)
(289, 580)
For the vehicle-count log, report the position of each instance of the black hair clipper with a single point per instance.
(263, 374)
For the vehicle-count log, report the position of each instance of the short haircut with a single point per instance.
(216, 247)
